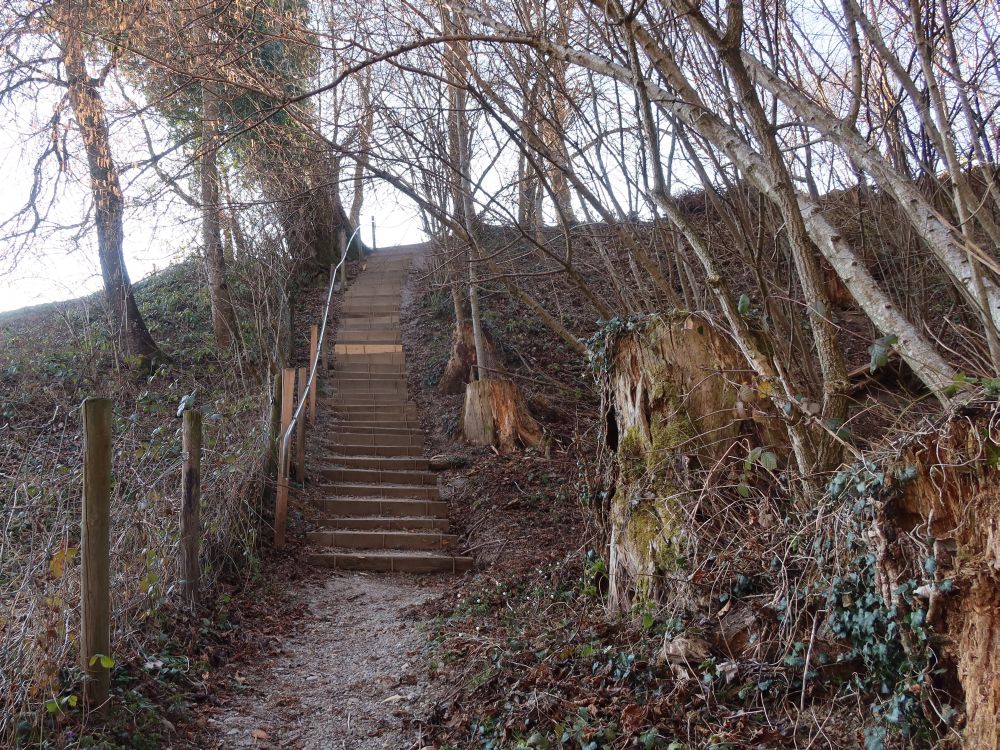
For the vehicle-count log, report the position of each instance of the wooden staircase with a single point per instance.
(382, 510)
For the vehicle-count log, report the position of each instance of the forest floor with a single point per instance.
(520, 653)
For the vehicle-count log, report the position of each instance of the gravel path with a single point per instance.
(346, 678)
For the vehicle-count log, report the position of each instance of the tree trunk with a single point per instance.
(127, 325)
(240, 246)
(223, 316)
(828, 452)
(463, 360)
(684, 103)
(941, 237)
(364, 143)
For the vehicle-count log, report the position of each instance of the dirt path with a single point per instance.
(347, 677)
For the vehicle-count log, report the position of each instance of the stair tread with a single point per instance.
(392, 562)
(388, 521)
(378, 540)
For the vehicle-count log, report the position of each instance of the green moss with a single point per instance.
(633, 450)
(653, 531)
(647, 508)
(670, 432)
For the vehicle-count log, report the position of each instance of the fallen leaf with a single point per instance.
(683, 650)
(60, 559)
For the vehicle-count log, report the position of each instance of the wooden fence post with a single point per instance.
(300, 431)
(191, 506)
(313, 346)
(281, 501)
(95, 545)
(274, 435)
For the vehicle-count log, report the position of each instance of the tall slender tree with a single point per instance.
(127, 324)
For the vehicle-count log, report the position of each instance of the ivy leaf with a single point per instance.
(743, 306)
(185, 403)
(105, 661)
(769, 460)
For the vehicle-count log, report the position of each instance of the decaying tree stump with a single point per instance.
(952, 504)
(463, 359)
(496, 414)
(678, 397)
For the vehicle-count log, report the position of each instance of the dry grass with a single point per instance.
(52, 358)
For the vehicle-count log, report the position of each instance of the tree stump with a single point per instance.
(496, 414)
(678, 397)
(951, 505)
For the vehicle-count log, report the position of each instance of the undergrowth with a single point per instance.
(50, 360)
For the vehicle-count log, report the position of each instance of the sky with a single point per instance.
(58, 273)
(59, 266)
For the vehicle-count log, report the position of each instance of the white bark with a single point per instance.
(685, 104)
(936, 231)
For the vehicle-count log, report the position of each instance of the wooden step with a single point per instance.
(372, 296)
(431, 541)
(359, 402)
(367, 337)
(367, 385)
(377, 323)
(384, 523)
(362, 368)
(372, 476)
(402, 491)
(359, 420)
(375, 414)
(361, 309)
(355, 359)
(396, 404)
(388, 463)
(348, 389)
(390, 321)
(371, 413)
(377, 398)
(367, 349)
(353, 428)
(383, 511)
(401, 562)
(393, 372)
(346, 449)
(353, 507)
(415, 438)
